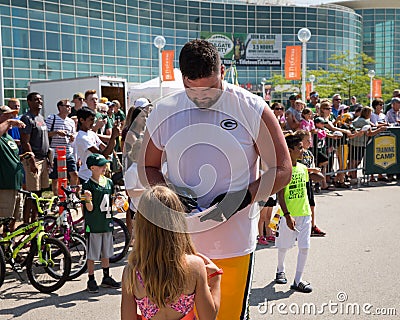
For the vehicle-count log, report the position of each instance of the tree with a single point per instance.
(348, 76)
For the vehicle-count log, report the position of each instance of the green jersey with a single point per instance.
(295, 192)
(119, 115)
(100, 218)
(11, 169)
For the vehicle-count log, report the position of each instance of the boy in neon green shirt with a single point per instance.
(295, 220)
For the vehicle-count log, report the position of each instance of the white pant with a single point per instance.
(286, 238)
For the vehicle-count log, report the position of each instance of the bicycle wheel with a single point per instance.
(2, 266)
(77, 250)
(121, 240)
(52, 275)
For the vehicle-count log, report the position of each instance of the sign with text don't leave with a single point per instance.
(168, 65)
(293, 63)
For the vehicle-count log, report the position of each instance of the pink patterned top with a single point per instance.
(184, 304)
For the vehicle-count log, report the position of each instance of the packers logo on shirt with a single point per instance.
(229, 124)
(12, 145)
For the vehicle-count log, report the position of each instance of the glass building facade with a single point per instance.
(56, 39)
(381, 34)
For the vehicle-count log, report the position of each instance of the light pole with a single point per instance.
(159, 43)
(312, 79)
(304, 35)
(371, 75)
(263, 82)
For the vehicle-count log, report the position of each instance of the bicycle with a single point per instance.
(61, 228)
(48, 262)
(120, 233)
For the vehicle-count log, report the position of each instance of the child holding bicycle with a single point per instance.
(165, 277)
(98, 221)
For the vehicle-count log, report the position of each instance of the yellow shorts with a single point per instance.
(343, 155)
(11, 204)
(235, 287)
(36, 181)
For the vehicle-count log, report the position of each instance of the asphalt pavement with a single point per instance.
(353, 270)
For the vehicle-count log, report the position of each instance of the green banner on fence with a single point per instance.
(383, 153)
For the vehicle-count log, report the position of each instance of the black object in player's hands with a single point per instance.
(187, 197)
(227, 205)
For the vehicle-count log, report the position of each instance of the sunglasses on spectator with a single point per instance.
(326, 108)
(337, 99)
(278, 109)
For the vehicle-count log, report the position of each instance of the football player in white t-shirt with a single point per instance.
(211, 136)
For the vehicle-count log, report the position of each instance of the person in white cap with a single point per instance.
(143, 103)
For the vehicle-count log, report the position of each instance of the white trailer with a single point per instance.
(53, 91)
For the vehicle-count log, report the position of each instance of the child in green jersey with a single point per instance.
(98, 221)
(295, 221)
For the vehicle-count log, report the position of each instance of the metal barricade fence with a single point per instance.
(340, 156)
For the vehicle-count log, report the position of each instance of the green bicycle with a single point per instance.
(48, 262)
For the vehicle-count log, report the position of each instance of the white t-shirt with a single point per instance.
(132, 182)
(212, 151)
(84, 141)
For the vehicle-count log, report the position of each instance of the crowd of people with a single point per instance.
(204, 154)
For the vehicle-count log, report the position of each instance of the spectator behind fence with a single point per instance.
(279, 113)
(396, 94)
(336, 101)
(378, 118)
(314, 102)
(166, 279)
(293, 115)
(62, 134)
(307, 122)
(393, 115)
(358, 144)
(323, 150)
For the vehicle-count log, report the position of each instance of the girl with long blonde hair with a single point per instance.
(165, 277)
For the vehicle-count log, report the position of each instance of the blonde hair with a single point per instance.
(324, 103)
(366, 112)
(161, 244)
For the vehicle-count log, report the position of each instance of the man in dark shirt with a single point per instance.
(34, 139)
